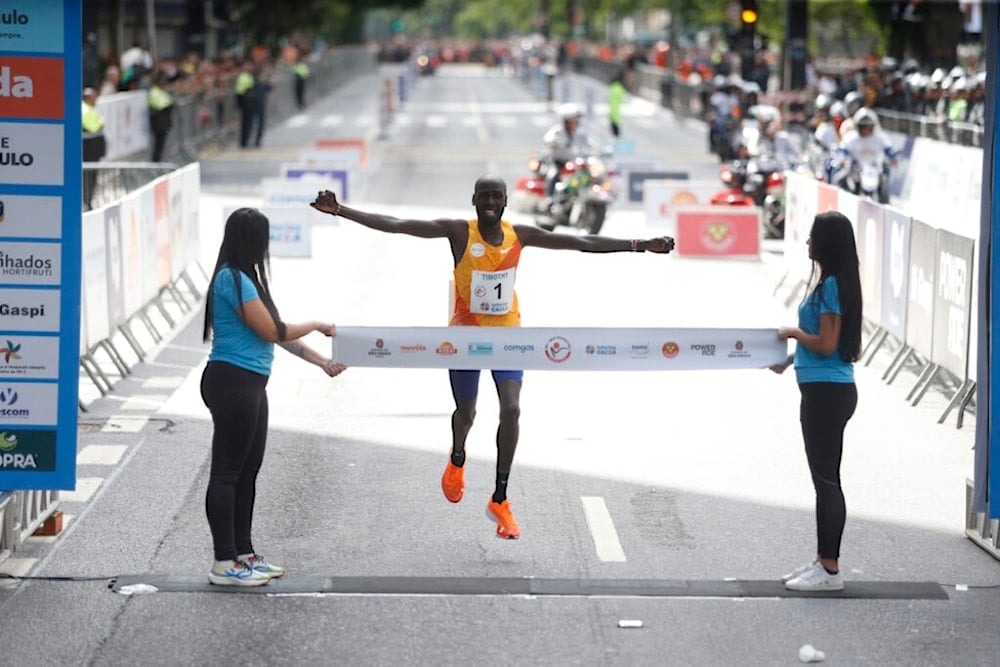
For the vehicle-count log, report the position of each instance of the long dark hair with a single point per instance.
(244, 248)
(832, 247)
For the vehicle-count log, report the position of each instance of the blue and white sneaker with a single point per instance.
(257, 563)
(236, 574)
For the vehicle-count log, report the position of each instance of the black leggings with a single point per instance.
(237, 399)
(824, 411)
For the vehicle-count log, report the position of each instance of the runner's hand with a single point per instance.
(661, 244)
(326, 202)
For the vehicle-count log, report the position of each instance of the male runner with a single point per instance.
(486, 251)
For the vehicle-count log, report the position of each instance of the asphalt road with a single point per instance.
(674, 499)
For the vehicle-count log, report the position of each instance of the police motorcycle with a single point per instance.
(572, 190)
(861, 164)
(759, 170)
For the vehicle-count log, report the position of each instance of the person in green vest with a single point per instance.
(161, 110)
(242, 87)
(301, 71)
(94, 143)
(616, 97)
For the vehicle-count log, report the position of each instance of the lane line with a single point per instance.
(602, 529)
(106, 455)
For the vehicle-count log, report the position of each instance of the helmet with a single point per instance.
(823, 101)
(765, 113)
(853, 101)
(569, 111)
(838, 110)
(865, 117)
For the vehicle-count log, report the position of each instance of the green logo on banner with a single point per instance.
(28, 451)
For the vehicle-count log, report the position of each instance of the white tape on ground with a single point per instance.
(586, 349)
(602, 528)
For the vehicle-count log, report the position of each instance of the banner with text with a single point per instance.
(581, 349)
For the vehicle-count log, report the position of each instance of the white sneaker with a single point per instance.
(798, 572)
(237, 574)
(816, 578)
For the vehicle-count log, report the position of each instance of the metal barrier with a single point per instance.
(199, 124)
(979, 528)
(107, 182)
(6, 527)
(204, 121)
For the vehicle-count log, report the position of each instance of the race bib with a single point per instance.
(492, 292)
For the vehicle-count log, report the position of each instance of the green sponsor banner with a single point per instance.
(27, 451)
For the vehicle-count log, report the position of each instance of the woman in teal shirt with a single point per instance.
(243, 324)
(828, 342)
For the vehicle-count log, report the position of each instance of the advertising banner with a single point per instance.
(310, 173)
(869, 241)
(41, 250)
(301, 192)
(661, 199)
(291, 232)
(568, 349)
(953, 302)
(718, 231)
(920, 288)
(895, 260)
(801, 202)
(637, 177)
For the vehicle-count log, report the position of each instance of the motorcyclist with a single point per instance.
(564, 142)
(771, 142)
(866, 145)
(853, 101)
(827, 139)
(724, 106)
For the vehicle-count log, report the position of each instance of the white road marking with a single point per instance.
(162, 382)
(331, 120)
(298, 120)
(105, 455)
(602, 529)
(17, 567)
(144, 402)
(436, 121)
(127, 425)
(85, 488)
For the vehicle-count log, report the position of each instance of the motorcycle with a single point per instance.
(585, 186)
(866, 179)
(755, 181)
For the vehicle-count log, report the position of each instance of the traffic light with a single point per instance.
(748, 15)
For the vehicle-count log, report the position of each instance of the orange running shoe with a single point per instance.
(453, 482)
(507, 527)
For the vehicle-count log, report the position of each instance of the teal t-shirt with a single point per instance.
(232, 340)
(811, 366)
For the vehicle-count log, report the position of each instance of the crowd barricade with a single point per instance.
(212, 119)
(141, 239)
(917, 284)
(140, 272)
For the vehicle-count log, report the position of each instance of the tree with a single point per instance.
(268, 21)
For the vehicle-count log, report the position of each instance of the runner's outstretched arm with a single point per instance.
(326, 202)
(540, 238)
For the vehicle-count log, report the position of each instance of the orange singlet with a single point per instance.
(484, 281)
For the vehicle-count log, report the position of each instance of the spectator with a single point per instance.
(94, 143)
(301, 71)
(161, 110)
(958, 104)
(616, 97)
(243, 85)
(134, 64)
(111, 81)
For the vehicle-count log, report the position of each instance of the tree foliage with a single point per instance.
(269, 21)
